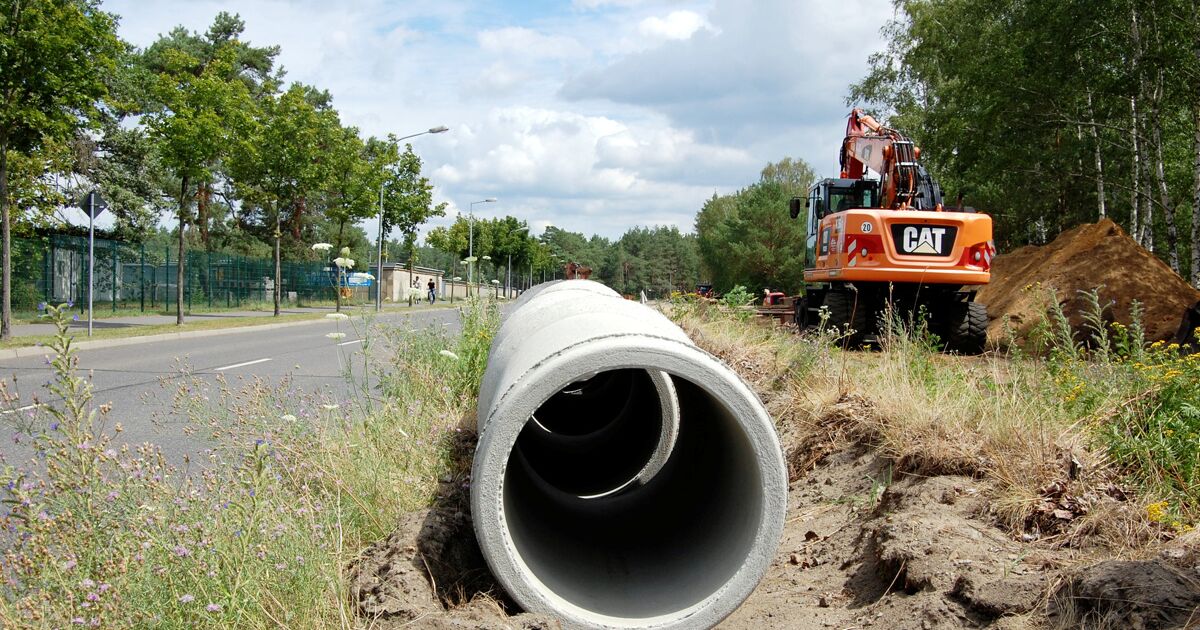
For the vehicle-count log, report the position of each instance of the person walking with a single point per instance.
(432, 291)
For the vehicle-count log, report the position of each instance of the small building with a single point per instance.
(396, 276)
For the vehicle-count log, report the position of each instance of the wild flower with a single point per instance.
(339, 316)
(330, 407)
(186, 598)
(287, 417)
(449, 354)
(321, 247)
(336, 335)
(213, 608)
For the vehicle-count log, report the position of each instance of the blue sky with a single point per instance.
(591, 115)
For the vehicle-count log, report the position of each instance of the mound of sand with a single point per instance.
(1099, 255)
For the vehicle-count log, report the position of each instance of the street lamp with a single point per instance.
(379, 259)
(471, 242)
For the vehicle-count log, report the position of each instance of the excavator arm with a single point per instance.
(903, 183)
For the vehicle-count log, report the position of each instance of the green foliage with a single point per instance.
(1142, 400)
(1033, 110)
(737, 297)
(749, 238)
(55, 55)
(656, 261)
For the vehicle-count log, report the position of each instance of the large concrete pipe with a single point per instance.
(624, 478)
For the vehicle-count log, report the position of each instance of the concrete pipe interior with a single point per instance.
(599, 435)
(652, 548)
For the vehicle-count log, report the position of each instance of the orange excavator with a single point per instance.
(890, 240)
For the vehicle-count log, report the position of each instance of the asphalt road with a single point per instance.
(137, 380)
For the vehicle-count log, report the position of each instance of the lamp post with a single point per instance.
(379, 258)
(508, 274)
(471, 242)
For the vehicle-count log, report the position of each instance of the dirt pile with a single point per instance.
(1089, 256)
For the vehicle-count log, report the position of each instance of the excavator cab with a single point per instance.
(827, 197)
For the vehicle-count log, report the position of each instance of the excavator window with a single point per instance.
(842, 199)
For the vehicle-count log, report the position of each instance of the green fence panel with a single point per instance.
(131, 276)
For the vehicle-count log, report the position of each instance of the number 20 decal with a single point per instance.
(867, 226)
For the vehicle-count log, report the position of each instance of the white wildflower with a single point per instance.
(287, 417)
(447, 353)
(337, 316)
(344, 263)
(329, 407)
(336, 335)
(321, 247)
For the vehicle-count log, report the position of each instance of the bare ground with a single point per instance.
(869, 543)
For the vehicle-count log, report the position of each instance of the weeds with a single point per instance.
(98, 534)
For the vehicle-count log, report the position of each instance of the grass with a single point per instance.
(1080, 444)
(142, 330)
(133, 309)
(103, 534)
(160, 329)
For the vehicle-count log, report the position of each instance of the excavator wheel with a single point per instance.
(968, 322)
(844, 312)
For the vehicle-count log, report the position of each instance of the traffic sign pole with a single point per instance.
(91, 255)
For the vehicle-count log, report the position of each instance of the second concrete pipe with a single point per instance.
(624, 478)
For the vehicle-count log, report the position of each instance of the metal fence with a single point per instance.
(129, 275)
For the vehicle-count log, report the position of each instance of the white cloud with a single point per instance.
(594, 116)
(529, 44)
(676, 25)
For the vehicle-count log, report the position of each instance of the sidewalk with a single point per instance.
(135, 321)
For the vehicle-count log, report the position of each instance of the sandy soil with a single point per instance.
(1098, 255)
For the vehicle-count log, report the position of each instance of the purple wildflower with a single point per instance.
(68, 565)
(213, 608)
(186, 598)
(93, 597)
(86, 583)
(77, 621)
(182, 551)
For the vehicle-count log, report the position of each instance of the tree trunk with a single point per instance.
(1140, 223)
(6, 221)
(1135, 225)
(1148, 199)
(298, 210)
(278, 269)
(1196, 195)
(183, 188)
(1101, 203)
(1164, 193)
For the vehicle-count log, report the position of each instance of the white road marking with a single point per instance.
(12, 411)
(238, 365)
(346, 343)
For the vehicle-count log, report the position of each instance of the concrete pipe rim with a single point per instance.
(626, 351)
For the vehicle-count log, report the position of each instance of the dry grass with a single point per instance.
(991, 418)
